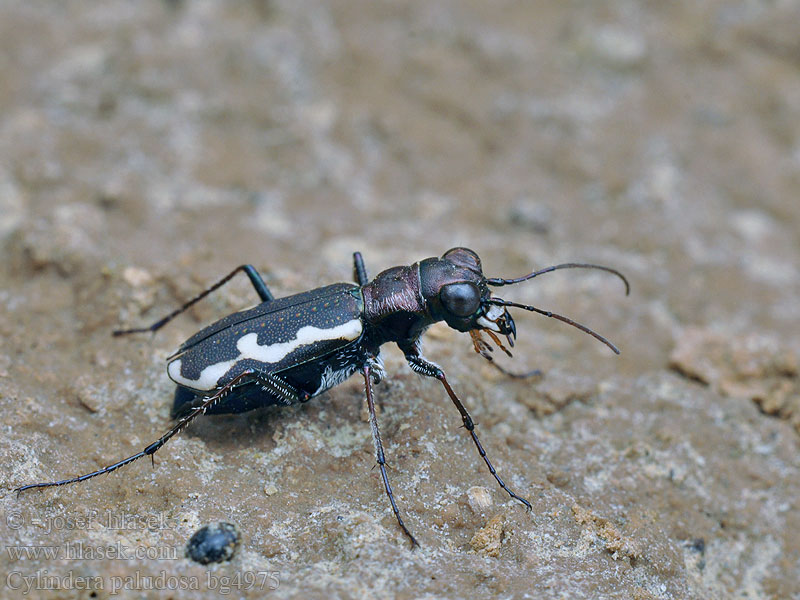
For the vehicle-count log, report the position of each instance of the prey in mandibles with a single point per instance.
(291, 349)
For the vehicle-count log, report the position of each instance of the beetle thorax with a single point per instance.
(392, 291)
(393, 302)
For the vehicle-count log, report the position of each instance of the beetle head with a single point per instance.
(457, 292)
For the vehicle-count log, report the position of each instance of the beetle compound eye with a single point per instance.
(461, 299)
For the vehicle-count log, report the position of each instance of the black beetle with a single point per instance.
(291, 349)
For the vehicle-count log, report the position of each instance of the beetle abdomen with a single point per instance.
(272, 337)
(311, 378)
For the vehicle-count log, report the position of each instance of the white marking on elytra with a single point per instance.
(249, 348)
(489, 320)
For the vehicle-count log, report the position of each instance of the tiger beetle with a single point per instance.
(288, 350)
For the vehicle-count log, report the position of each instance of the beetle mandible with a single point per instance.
(290, 349)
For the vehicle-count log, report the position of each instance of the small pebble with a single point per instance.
(488, 539)
(479, 499)
(215, 542)
(137, 277)
(87, 394)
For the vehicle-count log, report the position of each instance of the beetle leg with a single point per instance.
(379, 456)
(376, 368)
(258, 283)
(278, 387)
(285, 392)
(152, 448)
(359, 270)
(429, 369)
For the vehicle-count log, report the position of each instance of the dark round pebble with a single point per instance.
(215, 542)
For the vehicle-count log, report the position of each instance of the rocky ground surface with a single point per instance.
(147, 148)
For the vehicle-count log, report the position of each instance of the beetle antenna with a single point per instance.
(499, 281)
(547, 313)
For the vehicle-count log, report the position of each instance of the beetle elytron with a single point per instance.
(291, 349)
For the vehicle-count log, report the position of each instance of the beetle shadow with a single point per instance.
(230, 432)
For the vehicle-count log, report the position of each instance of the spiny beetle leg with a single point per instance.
(258, 283)
(278, 387)
(359, 270)
(155, 446)
(379, 456)
(429, 369)
(186, 401)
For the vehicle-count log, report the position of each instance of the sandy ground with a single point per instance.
(148, 148)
